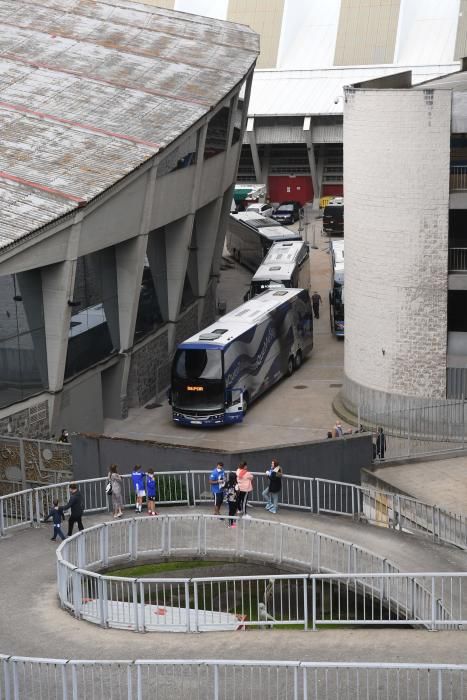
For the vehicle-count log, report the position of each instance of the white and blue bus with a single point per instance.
(250, 235)
(219, 371)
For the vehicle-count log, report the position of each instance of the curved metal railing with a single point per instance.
(192, 488)
(353, 586)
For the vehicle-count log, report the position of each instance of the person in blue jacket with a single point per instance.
(151, 492)
(56, 513)
(217, 481)
(137, 477)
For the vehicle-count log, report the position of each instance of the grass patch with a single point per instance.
(162, 567)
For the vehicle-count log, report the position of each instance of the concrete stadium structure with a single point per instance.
(310, 50)
(405, 154)
(122, 127)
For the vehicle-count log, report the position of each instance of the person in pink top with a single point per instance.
(245, 486)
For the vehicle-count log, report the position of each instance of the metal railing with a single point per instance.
(190, 488)
(457, 260)
(416, 431)
(23, 678)
(458, 178)
(377, 594)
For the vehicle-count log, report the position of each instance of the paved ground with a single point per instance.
(441, 482)
(33, 624)
(297, 409)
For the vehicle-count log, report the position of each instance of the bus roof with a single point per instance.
(229, 327)
(264, 226)
(280, 261)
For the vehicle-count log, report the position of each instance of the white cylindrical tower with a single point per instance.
(396, 174)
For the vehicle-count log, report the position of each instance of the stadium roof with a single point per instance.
(90, 90)
(317, 92)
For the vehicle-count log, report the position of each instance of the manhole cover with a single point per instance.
(301, 386)
(153, 405)
(335, 386)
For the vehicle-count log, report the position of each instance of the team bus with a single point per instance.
(250, 235)
(287, 264)
(336, 294)
(218, 372)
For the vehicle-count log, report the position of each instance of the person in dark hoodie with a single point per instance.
(76, 507)
(56, 513)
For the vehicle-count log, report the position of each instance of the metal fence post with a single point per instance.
(305, 603)
(6, 677)
(129, 680)
(74, 682)
(313, 603)
(195, 603)
(31, 508)
(311, 494)
(134, 595)
(295, 683)
(64, 682)
(187, 487)
(317, 482)
(433, 604)
(102, 602)
(37, 506)
(81, 551)
(187, 606)
(216, 682)
(14, 669)
(77, 594)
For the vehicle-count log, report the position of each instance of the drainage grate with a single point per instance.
(335, 386)
(153, 405)
(301, 386)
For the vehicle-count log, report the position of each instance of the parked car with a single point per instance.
(287, 212)
(263, 209)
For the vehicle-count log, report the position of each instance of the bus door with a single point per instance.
(234, 408)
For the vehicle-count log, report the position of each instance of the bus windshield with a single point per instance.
(198, 364)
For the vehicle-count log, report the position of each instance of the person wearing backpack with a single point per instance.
(76, 507)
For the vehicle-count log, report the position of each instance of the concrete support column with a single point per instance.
(30, 287)
(312, 162)
(250, 133)
(58, 282)
(207, 232)
(177, 249)
(157, 258)
(129, 262)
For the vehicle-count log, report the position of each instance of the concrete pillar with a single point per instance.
(158, 263)
(129, 263)
(222, 223)
(208, 230)
(250, 133)
(177, 243)
(312, 162)
(30, 288)
(58, 282)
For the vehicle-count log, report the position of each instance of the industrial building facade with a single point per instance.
(405, 154)
(121, 133)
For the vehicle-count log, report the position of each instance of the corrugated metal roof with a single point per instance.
(296, 92)
(90, 90)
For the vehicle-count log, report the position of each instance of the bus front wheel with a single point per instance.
(246, 398)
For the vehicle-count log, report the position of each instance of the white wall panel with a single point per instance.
(427, 31)
(309, 31)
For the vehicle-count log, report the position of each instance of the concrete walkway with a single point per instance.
(440, 482)
(32, 623)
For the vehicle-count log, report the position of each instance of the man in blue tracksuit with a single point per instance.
(137, 477)
(217, 481)
(56, 513)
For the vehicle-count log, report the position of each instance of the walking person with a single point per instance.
(231, 493)
(272, 491)
(315, 302)
(56, 513)
(245, 487)
(381, 443)
(116, 484)
(137, 477)
(217, 481)
(151, 492)
(76, 507)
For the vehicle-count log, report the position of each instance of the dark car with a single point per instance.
(287, 212)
